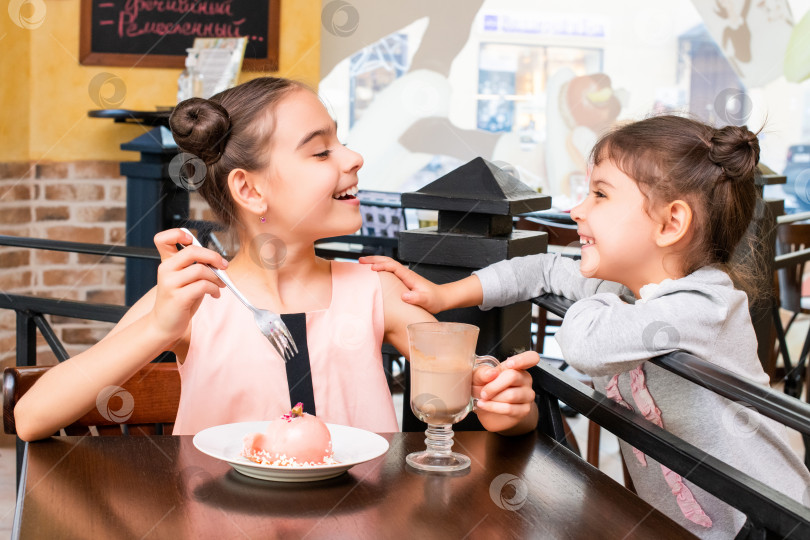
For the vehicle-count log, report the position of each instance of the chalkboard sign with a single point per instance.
(156, 33)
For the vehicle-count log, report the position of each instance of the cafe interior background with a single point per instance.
(418, 88)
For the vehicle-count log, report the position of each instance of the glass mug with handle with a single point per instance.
(442, 358)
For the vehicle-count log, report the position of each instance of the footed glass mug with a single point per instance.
(442, 357)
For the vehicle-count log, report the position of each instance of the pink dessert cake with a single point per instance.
(297, 439)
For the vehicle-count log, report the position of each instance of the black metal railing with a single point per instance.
(31, 310)
(769, 512)
(784, 409)
(80, 247)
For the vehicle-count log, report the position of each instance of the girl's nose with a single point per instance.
(353, 161)
(578, 212)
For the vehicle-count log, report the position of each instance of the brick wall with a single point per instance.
(81, 201)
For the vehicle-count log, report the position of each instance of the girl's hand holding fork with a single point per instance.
(182, 284)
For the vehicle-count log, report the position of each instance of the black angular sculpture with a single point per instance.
(476, 205)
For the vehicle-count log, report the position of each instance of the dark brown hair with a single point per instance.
(711, 169)
(230, 130)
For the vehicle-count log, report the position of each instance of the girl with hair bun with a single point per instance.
(276, 173)
(669, 203)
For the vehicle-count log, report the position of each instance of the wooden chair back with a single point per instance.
(146, 404)
(791, 237)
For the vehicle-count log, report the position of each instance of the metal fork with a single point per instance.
(269, 323)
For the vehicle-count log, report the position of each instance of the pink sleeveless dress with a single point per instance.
(232, 374)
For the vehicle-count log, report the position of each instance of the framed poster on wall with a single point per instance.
(157, 34)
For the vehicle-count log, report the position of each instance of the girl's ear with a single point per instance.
(676, 221)
(247, 191)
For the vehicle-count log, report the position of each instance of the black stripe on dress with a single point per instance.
(299, 371)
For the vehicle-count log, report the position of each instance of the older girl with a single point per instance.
(277, 174)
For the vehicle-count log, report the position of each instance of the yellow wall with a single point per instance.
(15, 65)
(45, 93)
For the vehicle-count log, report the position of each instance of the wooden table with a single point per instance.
(163, 487)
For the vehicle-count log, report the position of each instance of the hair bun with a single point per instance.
(736, 150)
(200, 127)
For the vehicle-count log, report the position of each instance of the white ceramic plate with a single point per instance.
(351, 446)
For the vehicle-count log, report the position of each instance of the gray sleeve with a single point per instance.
(523, 278)
(603, 336)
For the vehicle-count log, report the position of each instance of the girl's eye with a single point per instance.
(324, 154)
(598, 194)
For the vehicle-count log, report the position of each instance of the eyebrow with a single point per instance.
(599, 182)
(317, 133)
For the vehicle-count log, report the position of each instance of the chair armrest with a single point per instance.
(154, 390)
(16, 382)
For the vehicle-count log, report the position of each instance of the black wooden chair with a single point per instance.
(770, 513)
(791, 240)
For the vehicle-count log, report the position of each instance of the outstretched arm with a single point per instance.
(500, 284)
(523, 278)
(160, 321)
(422, 292)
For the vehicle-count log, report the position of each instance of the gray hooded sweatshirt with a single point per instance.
(607, 332)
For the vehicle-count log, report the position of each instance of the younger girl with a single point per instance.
(670, 199)
(275, 172)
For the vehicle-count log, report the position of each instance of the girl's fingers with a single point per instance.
(484, 375)
(504, 380)
(191, 274)
(166, 242)
(379, 263)
(408, 277)
(190, 255)
(514, 395)
(507, 409)
(374, 259)
(414, 297)
(196, 290)
(523, 360)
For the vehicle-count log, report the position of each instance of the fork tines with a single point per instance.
(282, 340)
(282, 334)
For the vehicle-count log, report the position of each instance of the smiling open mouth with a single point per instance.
(346, 194)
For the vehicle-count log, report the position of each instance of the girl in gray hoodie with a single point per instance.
(670, 200)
